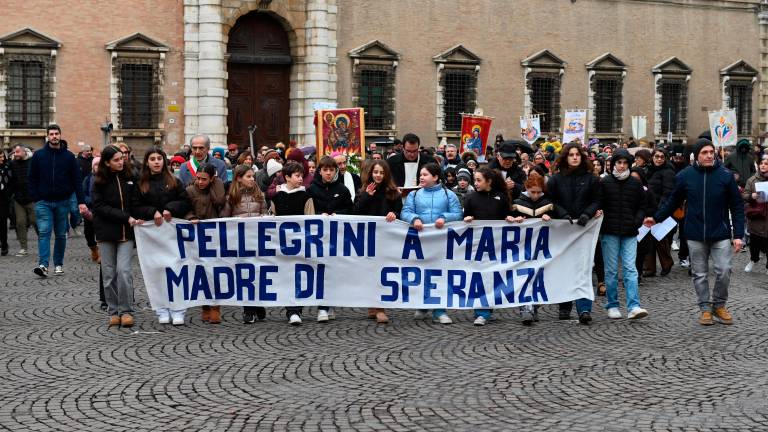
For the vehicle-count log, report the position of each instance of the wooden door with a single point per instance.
(258, 95)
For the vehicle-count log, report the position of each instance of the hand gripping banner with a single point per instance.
(357, 261)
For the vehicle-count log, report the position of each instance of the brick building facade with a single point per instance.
(162, 72)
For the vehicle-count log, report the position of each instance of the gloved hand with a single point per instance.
(583, 219)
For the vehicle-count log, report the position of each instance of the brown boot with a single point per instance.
(215, 315)
(372, 313)
(95, 256)
(706, 318)
(381, 317)
(114, 320)
(126, 320)
(722, 315)
(205, 315)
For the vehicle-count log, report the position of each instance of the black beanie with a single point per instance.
(700, 144)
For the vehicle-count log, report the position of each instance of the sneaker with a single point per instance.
(331, 314)
(322, 315)
(163, 316)
(706, 318)
(443, 319)
(675, 246)
(249, 317)
(723, 316)
(294, 320)
(420, 314)
(614, 313)
(749, 267)
(527, 317)
(684, 263)
(637, 313)
(480, 321)
(585, 318)
(177, 318)
(22, 253)
(41, 271)
(58, 270)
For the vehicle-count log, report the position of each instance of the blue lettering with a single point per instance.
(371, 239)
(295, 247)
(466, 238)
(429, 286)
(456, 288)
(486, 246)
(200, 284)
(528, 238)
(265, 281)
(311, 239)
(304, 271)
(242, 252)
(476, 291)
(508, 245)
(203, 239)
(352, 239)
(229, 284)
(412, 243)
(407, 282)
(502, 286)
(226, 253)
(528, 272)
(385, 273)
(539, 290)
(181, 238)
(245, 281)
(542, 244)
(172, 279)
(265, 238)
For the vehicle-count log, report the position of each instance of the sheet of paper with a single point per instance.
(762, 191)
(660, 230)
(642, 232)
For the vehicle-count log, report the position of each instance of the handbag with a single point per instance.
(756, 210)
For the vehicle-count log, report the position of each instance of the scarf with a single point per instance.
(349, 182)
(621, 176)
(193, 164)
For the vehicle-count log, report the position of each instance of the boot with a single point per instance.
(205, 315)
(126, 320)
(114, 320)
(95, 256)
(215, 315)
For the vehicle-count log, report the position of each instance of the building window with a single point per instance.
(671, 107)
(739, 79)
(457, 73)
(373, 86)
(543, 87)
(137, 107)
(25, 94)
(607, 110)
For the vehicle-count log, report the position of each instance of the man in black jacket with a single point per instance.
(23, 205)
(506, 163)
(405, 166)
(54, 175)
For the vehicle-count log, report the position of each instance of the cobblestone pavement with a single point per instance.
(62, 369)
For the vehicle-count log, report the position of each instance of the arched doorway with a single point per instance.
(259, 69)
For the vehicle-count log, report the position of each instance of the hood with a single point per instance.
(318, 180)
(621, 154)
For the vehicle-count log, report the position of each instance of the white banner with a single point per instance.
(530, 128)
(639, 124)
(357, 261)
(575, 126)
(722, 127)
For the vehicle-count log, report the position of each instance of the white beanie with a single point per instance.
(273, 167)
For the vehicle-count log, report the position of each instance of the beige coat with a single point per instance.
(755, 226)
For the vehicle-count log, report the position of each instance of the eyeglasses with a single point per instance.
(658, 156)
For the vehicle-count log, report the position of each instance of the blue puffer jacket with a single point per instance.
(54, 175)
(431, 204)
(712, 198)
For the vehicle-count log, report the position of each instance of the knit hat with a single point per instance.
(464, 174)
(232, 147)
(220, 151)
(178, 159)
(622, 154)
(699, 145)
(273, 167)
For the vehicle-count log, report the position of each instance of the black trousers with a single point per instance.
(90, 235)
(757, 244)
(5, 211)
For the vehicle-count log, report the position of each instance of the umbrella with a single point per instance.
(522, 145)
(309, 150)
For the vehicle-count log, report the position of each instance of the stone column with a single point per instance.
(763, 88)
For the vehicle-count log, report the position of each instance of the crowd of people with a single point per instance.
(710, 193)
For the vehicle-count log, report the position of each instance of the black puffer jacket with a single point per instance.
(378, 204)
(158, 198)
(528, 208)
(576, 192)
(515, 173)
(486, 205)
(624, 205)
(112, 209)
(661, 180)
(331, 197)
(20, 181)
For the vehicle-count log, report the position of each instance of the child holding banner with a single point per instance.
(207, 196)
(245, 199)
(488, 201)
(379, 197)
(433, 203)
(160, 196)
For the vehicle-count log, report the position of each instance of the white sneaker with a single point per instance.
(614, 313)
(685, 263)
(331, 314)
(294, 320)
(421, 314)
(322, 315)
(443, 319)
(58, 270)
(675, 246)
(177, 317)
(479, 321)
(163, 316)
(749, 266)
(637, 313)
(22, 253)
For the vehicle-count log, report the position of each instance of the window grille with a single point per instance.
(545, 99)
(607, 98)
(674, 105)
(740, 99)
(138, 109)
(25, 98)
(375, 97)
(459, 87)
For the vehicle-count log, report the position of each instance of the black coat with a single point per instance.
(526, 207)
(159, 198)
(397, 166)
(577, 193)
(331, 197)
(20, 181)
(515, 173)
(486, 205)
(112, 209)
(625, 205)
(661, 180)
(378, 204)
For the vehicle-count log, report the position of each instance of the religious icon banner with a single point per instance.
(530, 128)
(474, 133)
(722, 126)
(340, 130)
(575, 126)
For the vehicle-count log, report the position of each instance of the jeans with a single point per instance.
(25, 218)
(52, 217)
(582, 305)
(722, 254)
(118, 276)
(622, 248)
